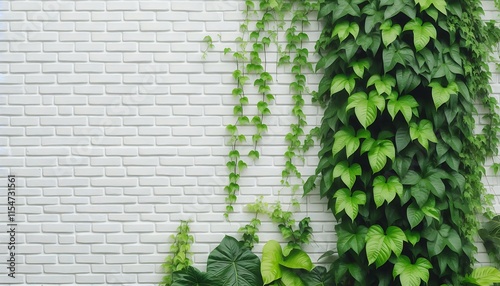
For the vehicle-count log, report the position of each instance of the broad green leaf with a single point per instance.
(350, 236)
(235, 265)
(405, 104)
(411, 274)
(380, 244)
(441, 94)
(430, 210)
(297, 259)
(349, 202)
(383, 84)
(423, 132)
(341, 82)
(194, 277)
(385, 191)
(290, 278)
(344, 29)
(271, 258)
(422, 32)
(389, 32)
(378, 153)
(438, 239)
(360, 66)
(402, 138)
(484, 276)
(365, 107)
(400, 6)
(439, 4)
(347, 173)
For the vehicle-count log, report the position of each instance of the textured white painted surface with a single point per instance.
(115, 128)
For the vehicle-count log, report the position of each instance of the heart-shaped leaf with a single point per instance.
(349, 202)
(441, 94)
(422, 32)
(411, 274)
(380, 244)
(386, 190)
(389, 32)
(423, 132)
(365, 107)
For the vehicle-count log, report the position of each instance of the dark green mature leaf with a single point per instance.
(346, 7)
(402, 138)
(319, 276)
(407, 80)
(192, 276)
(350, 236)
(397, 54)
(400, 6)
(235, 265)
(439, 238)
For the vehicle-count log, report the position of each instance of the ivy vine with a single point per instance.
(400, 164)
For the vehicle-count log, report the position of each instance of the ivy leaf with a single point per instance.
(345, 138)
(405, 104)
(438, 239)
(395, 54)
(346, 7)
(345, 201)
(411, 274)
(439, 4)
(386, 190)
(405, 6)
(378, 152)
(412, 236)
(441, 94)
(380, 244)
(350, 236)
(422, 32)
(360, 66)
(347, 173)
(407, 80)
(341, 82)
(389, 32)
(374, 16)
(414, 214)
(423, 132)
(383, 84)
(365, 107)
(344, 28)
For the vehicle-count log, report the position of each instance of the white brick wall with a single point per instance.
(115, 128)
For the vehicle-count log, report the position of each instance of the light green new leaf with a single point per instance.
(380, 244)
(365, 107)
(439, 4)
(341, 82)
(484, 276)
(290, 278)
(360, 66)
(345, 138)
(383, 84)
(378, 153)
(385, 191)
(441, 94)
(344, 28)
(389, 32)
(422, 32)
(411, 274)
(347, 173)
(349, 202)
(412, 236)
(405, 104)
(298, 259)
(271, 258)
(423, 132)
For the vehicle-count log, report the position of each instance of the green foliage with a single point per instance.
(399, 162)
(483, 276)
(180, 257)
(279, 268)
(490, 234)
(295, 235)
(230, 263)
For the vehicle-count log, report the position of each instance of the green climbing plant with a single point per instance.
(180, 257)
(400, 163)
